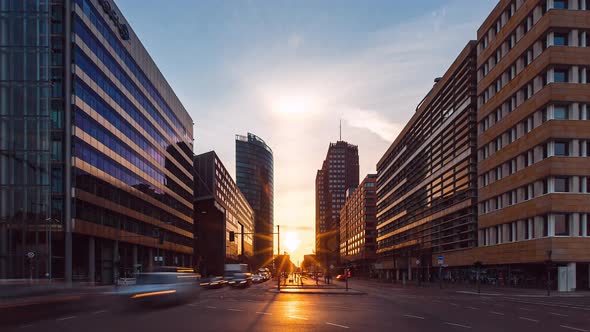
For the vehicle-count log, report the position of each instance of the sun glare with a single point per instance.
(291, 241)
(292, 105)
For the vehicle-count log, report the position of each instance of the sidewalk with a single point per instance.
(485, 290)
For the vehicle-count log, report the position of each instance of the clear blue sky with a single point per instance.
(289, 70)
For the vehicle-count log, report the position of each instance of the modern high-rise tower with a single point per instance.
(254, 176)
(339, 172)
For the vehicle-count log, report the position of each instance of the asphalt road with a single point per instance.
(381, 309)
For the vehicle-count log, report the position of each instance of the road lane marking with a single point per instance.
(412, 316)
(458, 325)
(297, 317)
(526, 309)
(237, 310)
(529, 319)
(99, 312)
(66, 318)
(192, 305)
(210, 307)
(263, 313)
(338, 325)
(26, 326)
(436, 301)
(556, 314)
(573, 328)
(497, 313)
(473, 308)
(453, 304)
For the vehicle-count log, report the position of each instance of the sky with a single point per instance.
(289, 71)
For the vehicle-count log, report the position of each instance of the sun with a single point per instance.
(291, 241)
(292, 105)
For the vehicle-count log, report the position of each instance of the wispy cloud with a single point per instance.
(295, 40)
(373, 122)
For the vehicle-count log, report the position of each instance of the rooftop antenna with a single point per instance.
(340, 129)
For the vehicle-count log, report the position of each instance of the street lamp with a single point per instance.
(49, 245)
(548, 267)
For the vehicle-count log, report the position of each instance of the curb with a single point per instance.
(316, 292)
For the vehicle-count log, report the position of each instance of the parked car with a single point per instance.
(213, 282)
(241, 280)
(257, 278)
(162, 285)
(341, 277)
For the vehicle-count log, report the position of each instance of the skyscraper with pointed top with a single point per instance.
(340, 171)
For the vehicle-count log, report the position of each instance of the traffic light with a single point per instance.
(232, 236)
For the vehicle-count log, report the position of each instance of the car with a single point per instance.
(241, 280)
(162, 286)
(257, 278)
(213, 282)
(341, 277)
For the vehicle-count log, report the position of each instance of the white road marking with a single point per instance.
(473, 308)
(99, 312)
(573, 328)
(338, 325)
(210, 307)
(237, 310)
(297, 317)
(497, 313)
(66, 318)
(436, 301)
(526, 309)
(556, 314)
(529, 319)
(412, 316)
(263, 313)
(453, 304)
(458, 325)
(192, 304)
(25, 326)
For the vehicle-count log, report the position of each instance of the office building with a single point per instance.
(358, 221)
(533, 147)
(95, 148)
(254, 176)
(220, 211)
(339, 172)
(426, 181)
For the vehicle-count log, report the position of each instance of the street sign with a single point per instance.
(440, 260)
(31, 254)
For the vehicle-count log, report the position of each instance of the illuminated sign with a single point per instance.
(123, 30)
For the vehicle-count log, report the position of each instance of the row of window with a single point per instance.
(553, 184)
(551, 38)
(552, 112)
(103, 28)
(558, 147)
(554, 224)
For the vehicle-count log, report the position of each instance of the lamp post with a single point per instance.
(548, 267)
(478, 265)
(49, 246)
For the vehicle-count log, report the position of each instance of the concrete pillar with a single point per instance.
(571, 276)
(574, 111)
(115, 261)
(574, 75)
(134, 255)
(3, 251)
(573, 38)
(409, 268)
(575, 225)
(151, 257)
(91, 259)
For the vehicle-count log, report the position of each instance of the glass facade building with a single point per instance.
(254, 176)
(97, 163)
(220, 208)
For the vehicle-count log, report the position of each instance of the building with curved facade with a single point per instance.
(254, 177)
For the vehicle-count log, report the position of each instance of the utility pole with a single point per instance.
(278, 255)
